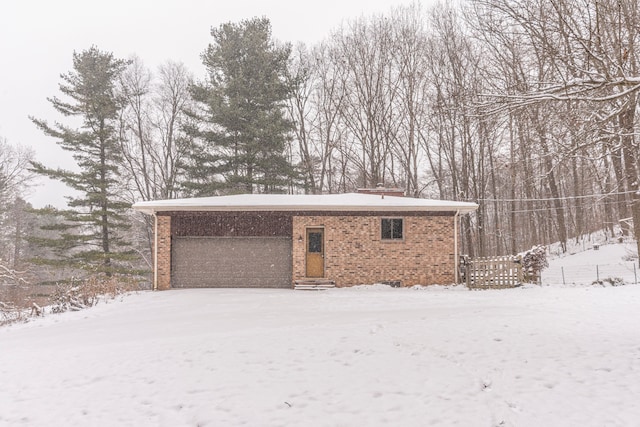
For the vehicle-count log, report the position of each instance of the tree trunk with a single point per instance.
(553, 186)
(629, 151)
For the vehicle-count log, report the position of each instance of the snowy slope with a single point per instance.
(533, 356)
(615, 260)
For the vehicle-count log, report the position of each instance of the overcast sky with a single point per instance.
(38, 37)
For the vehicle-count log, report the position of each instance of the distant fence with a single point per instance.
(618, 273)
(493, 273)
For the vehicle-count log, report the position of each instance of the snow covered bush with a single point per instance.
(610, 281)
(533, 262)
(12, 295)
(72, 296)
(9, 313)
(17, 303)
(80, 294)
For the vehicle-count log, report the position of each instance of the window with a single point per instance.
(315, 242)
(392, 229)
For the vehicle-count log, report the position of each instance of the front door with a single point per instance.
(315, 252)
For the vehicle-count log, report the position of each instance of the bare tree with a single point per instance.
(15, 174)
(411, 61)
(588, 52)
(368, 109)
(304, 116)
(15, 178)
(152, 139)
(528, 107)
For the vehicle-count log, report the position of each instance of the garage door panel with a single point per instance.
(243, 262)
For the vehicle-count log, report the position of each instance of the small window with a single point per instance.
(392, 229)
(315, 242)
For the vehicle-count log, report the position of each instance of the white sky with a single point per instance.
(38, 37)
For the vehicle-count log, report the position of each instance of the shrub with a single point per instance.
(17, 304)
(79, 294)
(533, 262)
(611, 281)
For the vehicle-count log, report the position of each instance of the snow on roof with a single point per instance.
(304, 202)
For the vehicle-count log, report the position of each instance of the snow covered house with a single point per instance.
(272, 240)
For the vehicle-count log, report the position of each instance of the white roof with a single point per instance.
(304, 202)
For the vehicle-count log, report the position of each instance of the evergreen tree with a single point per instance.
(243, 133)
(91, 236)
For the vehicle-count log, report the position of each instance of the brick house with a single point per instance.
(272, 240)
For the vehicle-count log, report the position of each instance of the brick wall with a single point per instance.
(163, 278)
(230, 224)
(355, 253)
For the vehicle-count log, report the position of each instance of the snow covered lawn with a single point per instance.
(534, 356)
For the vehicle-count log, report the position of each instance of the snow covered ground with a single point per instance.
(376, 356)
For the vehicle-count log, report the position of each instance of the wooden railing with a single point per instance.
(493, 273)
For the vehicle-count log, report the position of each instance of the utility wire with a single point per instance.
(572, 206)
(549, 199)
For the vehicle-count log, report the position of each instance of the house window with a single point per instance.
(315, 242)
(392, 229)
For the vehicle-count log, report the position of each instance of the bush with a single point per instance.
(80, 294)
(533, 262)
(10, 313)
(17, 304)
(610, 281)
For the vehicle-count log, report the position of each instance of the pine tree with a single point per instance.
(91, 236)
(243, 132)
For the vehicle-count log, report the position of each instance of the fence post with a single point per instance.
(635, 273)
(520, 270)
(468, 274)
(597, 273)
(563, 281)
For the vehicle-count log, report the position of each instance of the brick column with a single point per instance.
(163, 253)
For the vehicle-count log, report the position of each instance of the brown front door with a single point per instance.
(315, 252)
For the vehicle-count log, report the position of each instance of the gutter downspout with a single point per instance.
(155, 251)
(455, 246)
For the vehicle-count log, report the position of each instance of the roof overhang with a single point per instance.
(352, 202)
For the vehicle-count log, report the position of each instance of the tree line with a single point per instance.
(526, 107)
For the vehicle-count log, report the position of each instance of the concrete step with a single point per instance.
(313, 284)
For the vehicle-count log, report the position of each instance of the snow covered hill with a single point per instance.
(378, 356)
(614, 262)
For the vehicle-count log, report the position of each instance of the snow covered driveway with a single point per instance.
(347, 357)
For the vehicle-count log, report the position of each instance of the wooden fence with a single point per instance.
(493, 273)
